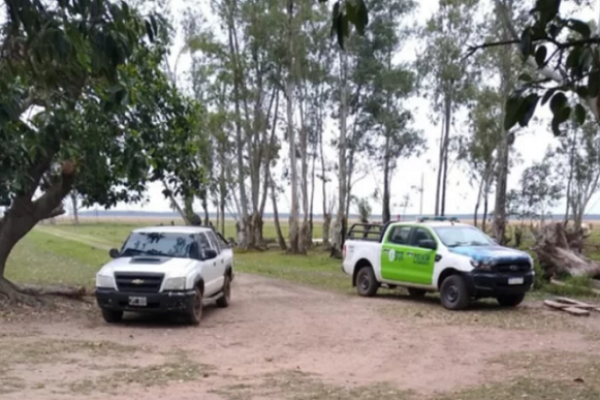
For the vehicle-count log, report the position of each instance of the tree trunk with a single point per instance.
(312, 197)
(75, 208)
(486, 195)
(448, 121)
(205, 209)
(341, 217)
(499, 224)
(326, 213)
(439, 172)
(478, 202)
(294, 233)
(386, 212)
(242, 225)
(280, 238)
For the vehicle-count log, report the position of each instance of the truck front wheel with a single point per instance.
(511, 300)
(194, 314)
(112, 316)
(454, 293)
(366, 283)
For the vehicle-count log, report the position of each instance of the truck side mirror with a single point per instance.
(114, 253)
(210, 254)
(427, 244)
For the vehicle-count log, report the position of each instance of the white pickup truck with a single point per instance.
(458, 260)
(166, 269)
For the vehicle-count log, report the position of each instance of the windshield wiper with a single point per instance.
(479, 243)
(457, 244)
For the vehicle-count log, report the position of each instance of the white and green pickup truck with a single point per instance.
(438, 255)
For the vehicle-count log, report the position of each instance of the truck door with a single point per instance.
(394, 265)
(420, 258)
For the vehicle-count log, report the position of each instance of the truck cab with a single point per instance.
(166, 269)
(436, 255)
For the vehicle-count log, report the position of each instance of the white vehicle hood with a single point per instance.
(166, 265)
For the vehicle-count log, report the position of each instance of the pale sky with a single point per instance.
(530, 143)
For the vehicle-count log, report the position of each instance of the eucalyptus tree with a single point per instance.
(446, 75)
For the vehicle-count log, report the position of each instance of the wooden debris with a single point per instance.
(571, 306)
(577, 311)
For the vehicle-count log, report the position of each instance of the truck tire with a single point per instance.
(225, 299)
(194, 314)
(416, 293)
(512, 300)
(366, 283)
(112, 316)
(454, 293)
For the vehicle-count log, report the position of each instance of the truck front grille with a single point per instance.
(513, 267)
(135, 282)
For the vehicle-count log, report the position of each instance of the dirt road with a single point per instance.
(280, 341)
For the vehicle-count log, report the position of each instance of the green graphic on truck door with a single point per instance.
(404, 257)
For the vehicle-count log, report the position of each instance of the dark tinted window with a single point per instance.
(158, 244)
(213, 241)
(399, 234)
(418, 235)
(203, 242)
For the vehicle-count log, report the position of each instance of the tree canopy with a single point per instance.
(84, 105)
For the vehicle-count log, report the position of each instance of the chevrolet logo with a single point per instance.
(514, 267)
(137, 281)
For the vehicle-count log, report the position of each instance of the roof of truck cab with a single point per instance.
(173, 229)
(432, 224)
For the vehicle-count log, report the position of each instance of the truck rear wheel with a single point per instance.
(511, 300)
(454, 293)
(225, 298)
(366, 283)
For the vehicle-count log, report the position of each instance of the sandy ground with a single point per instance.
(275, 341)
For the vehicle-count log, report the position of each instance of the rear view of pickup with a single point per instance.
(457, 260)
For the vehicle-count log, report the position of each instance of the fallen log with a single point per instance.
(72, 292)
(559, 251)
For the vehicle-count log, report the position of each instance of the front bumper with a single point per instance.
(111, 299)
(494, 284)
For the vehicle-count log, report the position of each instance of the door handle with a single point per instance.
(409, 254)
(214, 264)
(386, 250)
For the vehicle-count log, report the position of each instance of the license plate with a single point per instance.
(138, 301)
(515, 281)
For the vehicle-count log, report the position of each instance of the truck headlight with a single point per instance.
(105, 281)
(175, 284)
(481, 265)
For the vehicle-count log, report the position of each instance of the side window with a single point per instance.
(399, 235)
(418, 235)
(213, 241)
(203, 242)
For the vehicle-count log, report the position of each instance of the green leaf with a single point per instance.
(548, 9)
(580, 27)
(540, 56)
(558, 102)
(580, 114)
(582, 91)
(363, 17)
(527, 108)
(512, 111)
(547, 95)
(526, 44)
(334, 18)
(149, 31)
(593, 83)
(555, 127)
(525, 77)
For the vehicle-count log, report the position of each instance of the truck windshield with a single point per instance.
(157, 244)
(454, 236)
